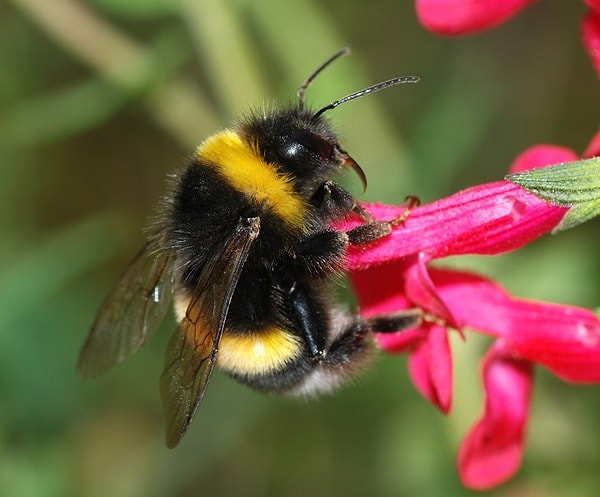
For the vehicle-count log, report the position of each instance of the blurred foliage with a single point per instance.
(99, 100)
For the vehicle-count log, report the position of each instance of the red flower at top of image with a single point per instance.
(462, 17)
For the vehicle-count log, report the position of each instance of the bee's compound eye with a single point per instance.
(313, 142)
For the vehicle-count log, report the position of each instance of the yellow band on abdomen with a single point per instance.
(258, 352)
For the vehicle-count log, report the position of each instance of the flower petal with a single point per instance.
(486, 219)
(565, 339)
(455, 17)
(594, 4)
(593, 149)
(403, 341)
(397, 286)
(422, 292)
(492, 452)
(430, 368)
(541, 156)
(591, 36)
(380, 289)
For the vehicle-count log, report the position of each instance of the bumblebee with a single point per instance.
(244, 246)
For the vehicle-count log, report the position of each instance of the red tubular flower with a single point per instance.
(458, 17)
(493, 450)
(541, 156)
(593, 149)
(462, 17)
(487, 219)
(591, 33)
(395, 274)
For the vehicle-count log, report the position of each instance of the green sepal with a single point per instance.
(573, 184)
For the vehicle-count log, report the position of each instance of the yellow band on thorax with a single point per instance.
(246, 171)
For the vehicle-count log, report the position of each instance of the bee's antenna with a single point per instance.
(309, 80)
(366, 91)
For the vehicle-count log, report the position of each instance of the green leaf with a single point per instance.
(572, 184)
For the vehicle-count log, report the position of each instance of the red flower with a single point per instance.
(460, 17)
(493, 450)
(591, 33)
(396, 273)
(456, 17)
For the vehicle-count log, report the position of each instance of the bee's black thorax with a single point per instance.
(296, 143)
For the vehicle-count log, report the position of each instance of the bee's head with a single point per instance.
(301, 142)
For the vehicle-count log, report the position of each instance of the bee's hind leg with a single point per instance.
(353, 340)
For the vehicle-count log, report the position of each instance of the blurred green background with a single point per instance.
(100, 100)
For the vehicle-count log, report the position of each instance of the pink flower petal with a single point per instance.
(430, 368)
(455, 17)
(403, 341)
(593, 149)
(565, 339)
(542, 156)
(422, 292)
(591, 36)
(594, 4)
(394, 287)
(492, 452)
(380, 289)
(486, 219)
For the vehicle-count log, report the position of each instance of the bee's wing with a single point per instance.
(130, 313)
(192, 351)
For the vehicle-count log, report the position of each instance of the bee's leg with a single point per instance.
(319, 254)
(307, 315)
(335, 202)
(332, 200)
(394, 321)
(352, 340)
(373, 230)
